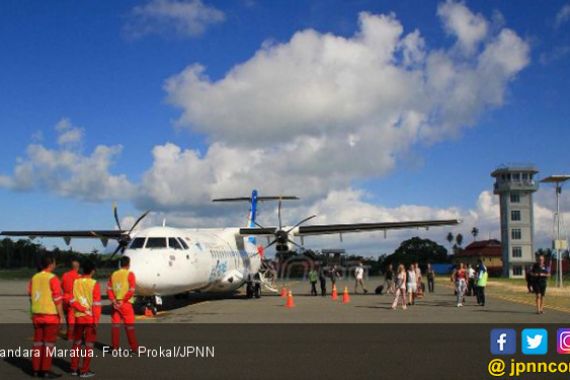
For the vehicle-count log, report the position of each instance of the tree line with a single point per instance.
(25, 253)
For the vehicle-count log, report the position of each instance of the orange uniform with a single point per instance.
(45, 294)
(86, 306)
(67, 284)
(121, 288)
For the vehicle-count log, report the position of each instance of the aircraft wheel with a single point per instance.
(257, 291)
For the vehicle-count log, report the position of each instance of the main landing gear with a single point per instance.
(253, 286)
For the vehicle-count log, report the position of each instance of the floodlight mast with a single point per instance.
(559, 245)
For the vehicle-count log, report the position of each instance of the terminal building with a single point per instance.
(515, 186)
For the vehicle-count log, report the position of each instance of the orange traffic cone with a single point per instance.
(283, 292)
(345, 295)
(334, 294)
(148, 312)
(289, 304)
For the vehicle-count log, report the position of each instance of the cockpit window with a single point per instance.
(183, 243)
(138, 243)
(156, 242)
(173, 243)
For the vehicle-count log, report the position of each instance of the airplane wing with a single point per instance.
(326, 229)
(103, 235)
(94, 234)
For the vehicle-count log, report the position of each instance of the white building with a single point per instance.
(515, 186)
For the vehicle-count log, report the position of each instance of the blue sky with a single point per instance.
(82, 61)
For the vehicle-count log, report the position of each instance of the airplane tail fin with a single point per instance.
(253, 200)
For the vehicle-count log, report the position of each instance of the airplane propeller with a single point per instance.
(125, 239)
(281, 235)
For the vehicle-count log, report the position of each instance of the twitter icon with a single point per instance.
(534, 341)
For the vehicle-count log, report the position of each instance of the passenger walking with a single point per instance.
(471, 281)
(430, 278)
(412, 284)
(419, 286)
(482, 276)
(459, 277)
(400, 294)
(323, 281)
(359, 278)
(389, 280)
(313, 277)
(540, 273)
(333, 274)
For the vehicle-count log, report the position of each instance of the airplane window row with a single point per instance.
(158, 243)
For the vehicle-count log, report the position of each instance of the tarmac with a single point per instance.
(437, 307)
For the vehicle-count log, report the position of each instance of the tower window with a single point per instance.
(515, 215)
(516, 234)
(515, 198)
(517, 252)
(516, 177)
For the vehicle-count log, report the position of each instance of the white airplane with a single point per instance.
(169, 261)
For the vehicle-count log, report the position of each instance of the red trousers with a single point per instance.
(69, 319)
(124, 314)
(46, 327)
(83, 332)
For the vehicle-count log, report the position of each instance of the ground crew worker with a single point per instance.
(67, 285)
(86, 306)
(44, 290)
(313, 277)
(482, 276)
(121, 289)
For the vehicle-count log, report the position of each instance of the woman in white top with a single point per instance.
(400, 288)
(412, 284)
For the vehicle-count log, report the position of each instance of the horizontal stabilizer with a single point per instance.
(264, 198)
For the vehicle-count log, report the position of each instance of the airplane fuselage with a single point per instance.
(168, 261)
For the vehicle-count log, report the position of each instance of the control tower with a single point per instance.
(515, 186)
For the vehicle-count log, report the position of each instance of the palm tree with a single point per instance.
(459, 239)
(475, 233)
(450, 238)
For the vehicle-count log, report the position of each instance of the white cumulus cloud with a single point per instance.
(172, 17)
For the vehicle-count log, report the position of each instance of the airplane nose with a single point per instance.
(143, 271)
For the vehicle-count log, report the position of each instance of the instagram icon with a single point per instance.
(563, 341)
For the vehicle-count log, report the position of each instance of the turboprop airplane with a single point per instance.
(169, 261)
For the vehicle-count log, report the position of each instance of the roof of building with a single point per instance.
(484, 248)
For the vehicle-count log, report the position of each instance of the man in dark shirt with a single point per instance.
(389, 280)
(431, 278)
(323, 280)
(540, 273)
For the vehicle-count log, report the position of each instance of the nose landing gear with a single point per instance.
(150, 305)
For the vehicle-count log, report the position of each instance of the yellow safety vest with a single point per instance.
(120, 282)
(482, 280)
(42, 299)
(83, 293)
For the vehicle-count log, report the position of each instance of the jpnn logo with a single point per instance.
(534, 341)
(503, 342)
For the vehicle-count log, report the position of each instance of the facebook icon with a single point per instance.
(503, 342)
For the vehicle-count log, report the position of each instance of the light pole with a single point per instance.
(559, 244)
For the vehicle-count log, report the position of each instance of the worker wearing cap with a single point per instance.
(121, 291)
(67, 284)
(86, 306)
(45, 294)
